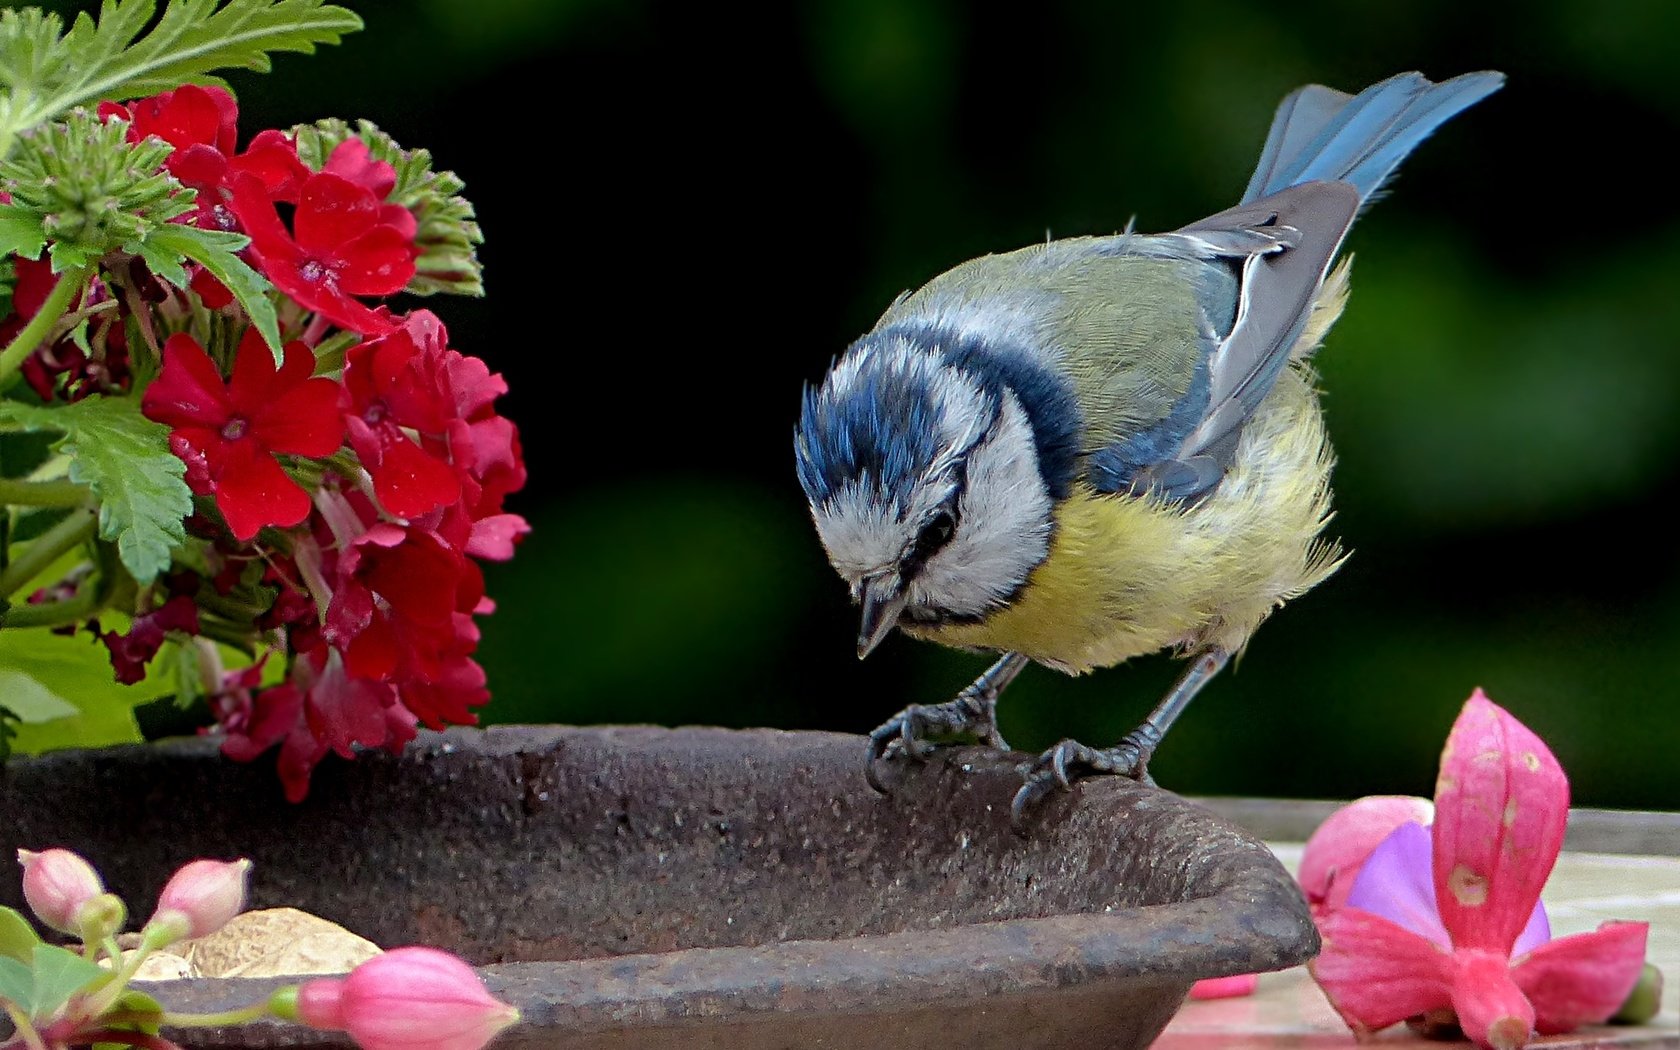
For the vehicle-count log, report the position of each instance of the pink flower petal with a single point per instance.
(1582, 979)
(1491, 1009)
(1231, 987)
(1336, 850)
(1396, 882)
(1377, 973)
(1501, 804)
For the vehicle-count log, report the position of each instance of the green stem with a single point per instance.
(69, 285)
(59, 493)
(216, 1020)
(55, 614)
(25, 1030)
(46, 548)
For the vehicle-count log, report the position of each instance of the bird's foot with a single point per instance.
(973, 713)
(1059, 767)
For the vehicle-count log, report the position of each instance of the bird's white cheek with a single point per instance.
(1004, 523)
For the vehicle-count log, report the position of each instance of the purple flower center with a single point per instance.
(235, 428)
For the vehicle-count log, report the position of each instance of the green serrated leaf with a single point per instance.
(124, 457)
(21, 232)
(17, 937)
(17, 982)
(45, 76)
(215, 251)
(59, 974)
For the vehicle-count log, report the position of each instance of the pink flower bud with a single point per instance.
(407, 999)
(58, 884)
(201, 897)
(1337, 850)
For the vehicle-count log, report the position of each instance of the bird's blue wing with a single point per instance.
(1276, 251)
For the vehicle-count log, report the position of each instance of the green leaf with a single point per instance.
(59, 974)
(135, 1002)
(17, 983)
(17, 937)
(124, 457)
(74, 672)
(118, 57)
(215, 251)
(21, 232)
(29, 700)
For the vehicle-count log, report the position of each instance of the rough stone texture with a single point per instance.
(699, 887)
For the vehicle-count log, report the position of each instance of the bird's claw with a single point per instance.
(1059, 767)
(904, 734)
(897, 736)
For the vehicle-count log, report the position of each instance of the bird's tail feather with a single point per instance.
(1323, 134)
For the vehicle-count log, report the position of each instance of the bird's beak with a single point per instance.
(883, 599)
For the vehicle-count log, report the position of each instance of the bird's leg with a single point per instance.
(1059, 766)
(973, 711)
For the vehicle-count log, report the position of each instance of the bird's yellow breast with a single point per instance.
(1129, 575)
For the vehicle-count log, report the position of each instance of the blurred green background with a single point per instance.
(690, 208)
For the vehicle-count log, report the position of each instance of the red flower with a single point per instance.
(402, 606)
(323, 708)
(1501, 805)
(232, 431)
(342, 244)
(200, 122)
(391, 383)
(130, 652)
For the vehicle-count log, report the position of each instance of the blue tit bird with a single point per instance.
(1095, 448)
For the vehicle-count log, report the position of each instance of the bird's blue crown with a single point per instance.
(885, 420)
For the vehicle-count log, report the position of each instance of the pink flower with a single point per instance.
(343, 243)
(407, 999)
(58, 884)
(1232, 987)
(1337, 850)
(1469, 937)
(202, 897)
(228, 433)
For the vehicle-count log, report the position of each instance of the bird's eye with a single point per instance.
(934, 535)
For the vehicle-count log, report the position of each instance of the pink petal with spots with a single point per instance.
(1582, 979)
(1501, 805)
(1397, 882)
(1377, 973)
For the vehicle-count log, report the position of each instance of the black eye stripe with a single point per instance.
(934, 535)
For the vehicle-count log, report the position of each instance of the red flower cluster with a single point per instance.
(370, 548)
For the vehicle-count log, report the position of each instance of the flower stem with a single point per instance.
(56, 614)
(125, 1035)
(69, 284)
(25, 1031)
(218, 1019)
(46, 548)
(61, 493)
